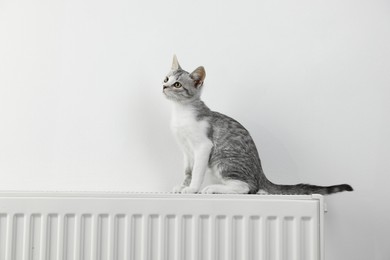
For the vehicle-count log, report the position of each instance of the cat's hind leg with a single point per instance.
(228, 187)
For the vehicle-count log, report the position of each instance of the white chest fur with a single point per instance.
(191, 134)
(189, 131)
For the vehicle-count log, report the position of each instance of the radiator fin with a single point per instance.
(204, 237)
(307, 246)
(153, 246)
(237, 246)
(136, 236)
(34, 239)
(186, 237)
(18, 237)
(289, 237)
(3, 235)
(85, 237)
(120, 228)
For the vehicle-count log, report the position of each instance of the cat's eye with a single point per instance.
(177, 85)
(166, 80)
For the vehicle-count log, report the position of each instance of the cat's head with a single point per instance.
(182, 86)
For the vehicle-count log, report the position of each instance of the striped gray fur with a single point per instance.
(233, 150)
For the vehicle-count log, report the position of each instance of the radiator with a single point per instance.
(116, 226)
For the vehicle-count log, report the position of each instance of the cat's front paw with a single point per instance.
(212, 189)
(189, 190)
(262, 192)
(178, 188)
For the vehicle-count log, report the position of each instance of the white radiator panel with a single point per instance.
(81, 226)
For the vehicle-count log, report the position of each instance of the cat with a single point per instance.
(215, 143)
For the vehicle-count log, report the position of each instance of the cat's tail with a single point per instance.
(305, 189)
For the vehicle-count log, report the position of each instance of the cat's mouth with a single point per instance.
(166, 91)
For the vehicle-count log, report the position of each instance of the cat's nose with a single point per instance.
(165, 86)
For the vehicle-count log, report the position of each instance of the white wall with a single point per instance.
(81, 105)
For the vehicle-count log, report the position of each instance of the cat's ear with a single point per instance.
(198, 75)
(175, 63)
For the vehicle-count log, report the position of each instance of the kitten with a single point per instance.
(213, 142)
